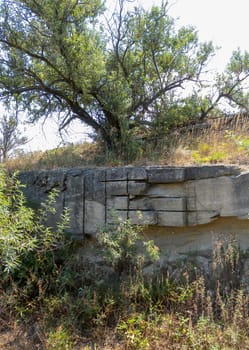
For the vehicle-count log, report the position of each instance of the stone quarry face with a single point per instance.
(182, 208)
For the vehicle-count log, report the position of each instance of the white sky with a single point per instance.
(222, 21)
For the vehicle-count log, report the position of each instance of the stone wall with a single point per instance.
(183, 208)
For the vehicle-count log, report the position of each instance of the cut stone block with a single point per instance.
(94, 217)
(117, 203)
(201, 217)
(93, 187)
(137, 187)
(214, 194)
(172, 218)
(166, 190)
(210, 171)
(137, 173)
(165, 203)
(169, 204)
(74, 201)
(140, 204)
(116, 188)
(116, 174)
(165, 175)
(191, 204)
(241, 195)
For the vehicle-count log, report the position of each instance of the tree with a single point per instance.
(10, 136)
(230, 86)
(117, 76)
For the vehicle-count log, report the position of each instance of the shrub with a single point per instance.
(125, 248)
(28, 247)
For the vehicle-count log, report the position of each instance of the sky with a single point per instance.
(222, 21)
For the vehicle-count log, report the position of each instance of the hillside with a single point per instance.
(215, 141)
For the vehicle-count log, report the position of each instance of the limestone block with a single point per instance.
(201, 217)
(172, 218)
(117, 203)
(210, 171)
(94, 187)
(43, 182)
(116, 174)
(75, 185)
(169, 204)
(241, 195)
(166, 174)
(137, 173)
(94, 216)
(163, 203)
(143, 217)
(116, 188)
(214, 194)
(166, 190)
(140, 204)
(191, 203)
(74, 201)
(137, 187)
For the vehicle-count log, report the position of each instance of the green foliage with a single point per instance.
(121, 76)
(241, 141)
(134, 329)
(59, 339)
(121, 249)
(230, 86)
(208, 154)
(27, 245)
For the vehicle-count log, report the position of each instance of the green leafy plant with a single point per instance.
(28, 247)
(206, 153)
(59, 339)
(241, 141)
(134, 331)
(125, 248)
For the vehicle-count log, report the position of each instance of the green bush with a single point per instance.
(125, 248)
(28, 247)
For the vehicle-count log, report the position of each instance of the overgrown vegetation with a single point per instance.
(59, 294)
(218, 140)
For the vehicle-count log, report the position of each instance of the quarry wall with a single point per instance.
(184, 209)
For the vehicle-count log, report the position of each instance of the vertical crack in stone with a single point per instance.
(185, 210)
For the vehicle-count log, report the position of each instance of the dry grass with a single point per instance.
(216, 141)
(184, 317)
(219, 140)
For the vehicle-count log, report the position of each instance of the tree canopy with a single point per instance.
(132, 71)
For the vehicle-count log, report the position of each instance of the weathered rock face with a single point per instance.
(182, 206)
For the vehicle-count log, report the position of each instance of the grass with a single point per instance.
(213, 142)
(96, 308)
